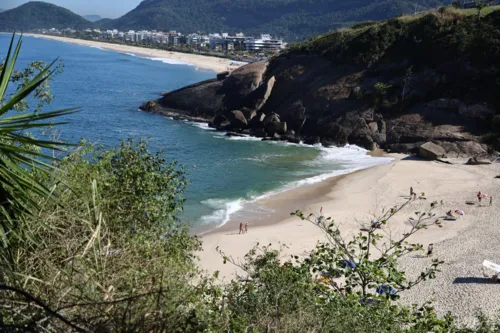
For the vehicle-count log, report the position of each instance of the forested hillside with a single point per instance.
(39, 15)
(291, 19)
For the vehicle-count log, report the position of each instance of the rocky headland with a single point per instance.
(394, 85)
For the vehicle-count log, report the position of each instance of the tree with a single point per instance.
(112, 255)
(368, 261)
(480, 5)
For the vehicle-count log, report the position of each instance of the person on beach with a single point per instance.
(241, 228)
(430, 248)
(491, 201)
(479, 196)
(246, 227)
(449, 214)
(412, 193)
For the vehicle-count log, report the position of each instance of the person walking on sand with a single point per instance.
(241, 228)
(491, 201)
(479, 196)
(412, 193)
(246, 227)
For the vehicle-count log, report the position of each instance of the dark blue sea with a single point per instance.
(225, 174)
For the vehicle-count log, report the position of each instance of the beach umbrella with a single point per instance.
(386, 289)
(460, 212)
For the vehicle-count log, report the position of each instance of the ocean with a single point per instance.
(226, 174)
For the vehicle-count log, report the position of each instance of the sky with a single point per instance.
(105, 8)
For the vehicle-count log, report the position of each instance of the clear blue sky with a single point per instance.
(105, 8)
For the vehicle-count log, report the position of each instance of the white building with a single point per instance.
(265, 43)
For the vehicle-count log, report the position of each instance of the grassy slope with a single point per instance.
(452, 33)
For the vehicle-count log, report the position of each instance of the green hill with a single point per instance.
(292, 19)
(41, 15)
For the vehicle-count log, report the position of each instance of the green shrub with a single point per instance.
(110, 253)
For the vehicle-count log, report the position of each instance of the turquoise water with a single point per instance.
(225, 173)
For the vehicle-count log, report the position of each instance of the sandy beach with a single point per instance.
(199, 61)
(353, 200)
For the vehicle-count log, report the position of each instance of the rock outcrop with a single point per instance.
(377, 103)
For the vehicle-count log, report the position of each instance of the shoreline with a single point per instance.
(268, 207)
(204, 62)
(352, 200)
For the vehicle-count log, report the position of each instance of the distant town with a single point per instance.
(238, 47)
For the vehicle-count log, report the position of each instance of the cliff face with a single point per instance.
(394, 85)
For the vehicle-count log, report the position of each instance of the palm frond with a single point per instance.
(21, 154)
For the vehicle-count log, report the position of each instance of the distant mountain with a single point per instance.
(2, 10)
(41, 15)
(105, 22)
(92, 18)
(292, 19)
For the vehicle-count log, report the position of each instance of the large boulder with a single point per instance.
(431, 151)
(236, 119)
(271, 118)
(273, 128)
(258, 98)
(464, 148)
(249, 113)
(476, 111)
(241, 83)
(222, 75)
(257, 121)
(220, 122)
(201, 100)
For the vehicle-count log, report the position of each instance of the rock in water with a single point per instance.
(220, 122)
(257, 121)
(222, 75)
(237, 119)
(431, 151)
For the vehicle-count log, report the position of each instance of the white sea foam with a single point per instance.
(129, 54)
(242, 138)
(96, 47)
(170, 61)
(223, 209)
(203, 126)
(351, 158)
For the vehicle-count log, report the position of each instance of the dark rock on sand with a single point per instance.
(431, 151)
(476, 161)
